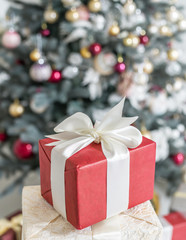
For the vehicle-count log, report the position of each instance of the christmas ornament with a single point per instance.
(120, 67)
(148, 67)
(178, 84)
(3, 136)
(145, 132)
(124, 83)
(129, 7)
(114, 30)
(144, 39)
(22, 150)
(39, 102)
(182, 25)
(55, 76)
(173, 68)
(95, 48)
(104, 63)
(158, 103)
(178, 158)
(72, 15)
(153, 29)
(85, 53)
(140, 78)
(70, 72)
(11, 39)
(16, 109)
(35, 55)
(162, 146)
(98, 22)
(50, 15)
(40, 71)
(165, 31)
(172, 54)
(45, 32)
(75, 59)
(131, 40)
(83, 13)
(156, 202)
(173, 15)
(94, 5)
(68, 3)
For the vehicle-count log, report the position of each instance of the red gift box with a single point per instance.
(13, 231)
(86, 180)
(174, 226)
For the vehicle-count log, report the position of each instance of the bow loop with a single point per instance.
(113, 130)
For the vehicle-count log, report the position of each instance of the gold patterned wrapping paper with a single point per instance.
(41, 221)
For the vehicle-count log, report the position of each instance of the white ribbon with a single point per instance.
(108, 229)
(115, 135)
(167, 229)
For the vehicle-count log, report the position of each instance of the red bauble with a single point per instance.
(3, 136)
(144, 39)
(22, 150)
(120, 67)
(95, 48)
(45, 32)
(55, 76)
(178, 158)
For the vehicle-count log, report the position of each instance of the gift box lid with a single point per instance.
(78, 160)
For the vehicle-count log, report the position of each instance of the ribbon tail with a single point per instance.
(118, 175)
(59, 155)
(108, 229)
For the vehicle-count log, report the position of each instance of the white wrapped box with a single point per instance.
(41, 221)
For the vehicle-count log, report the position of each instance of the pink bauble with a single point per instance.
(40, 72)
(83, 13)
(45, 32)
(22, 150)
(55, 76)
(3, 136)
(144, 39)
(11, 39)
(178, 158)
(120, 67)
(95, 48)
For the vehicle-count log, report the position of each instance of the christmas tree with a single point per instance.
(60, 57)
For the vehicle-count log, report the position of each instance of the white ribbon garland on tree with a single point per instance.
(115, 135)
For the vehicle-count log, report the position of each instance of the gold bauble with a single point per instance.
(114, 30)
(72, 15)
(94, 5)
(145, 132)
(85, 53)
(50, 15)
(172, 54)
(35, 55)
(67, 2)
(156, 202)
(16, 109)
(165, 31)
(173, 15)
(129, 7)
(148, 67)
(182, 25)
(131, 40)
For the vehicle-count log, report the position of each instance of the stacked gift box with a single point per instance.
(11, 226)
(96, 182)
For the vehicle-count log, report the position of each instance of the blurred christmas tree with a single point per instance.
(63, 56)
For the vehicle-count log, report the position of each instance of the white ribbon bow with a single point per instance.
(115, 135)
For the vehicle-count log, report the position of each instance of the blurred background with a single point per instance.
(62, 56)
